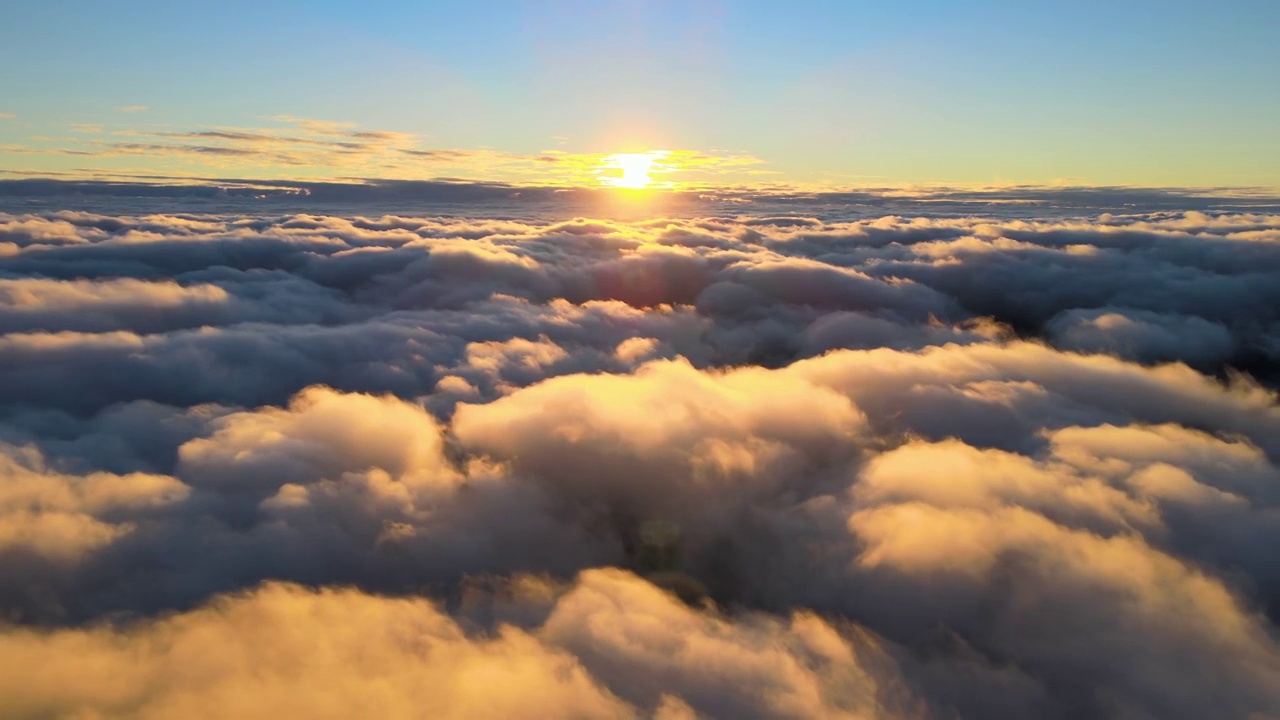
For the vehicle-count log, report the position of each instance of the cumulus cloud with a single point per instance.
(773, 465)
(337, 644)
(611, 646)
(61, 517)
(1143, 335)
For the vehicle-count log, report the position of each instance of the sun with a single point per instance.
(630, 170)
(635, 170)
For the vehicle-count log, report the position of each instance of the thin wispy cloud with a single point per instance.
(335, 149)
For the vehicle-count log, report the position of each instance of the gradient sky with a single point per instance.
(835, 93)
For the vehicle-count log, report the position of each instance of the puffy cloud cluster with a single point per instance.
(716, 466)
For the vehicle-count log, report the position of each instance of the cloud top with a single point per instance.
(763, 465)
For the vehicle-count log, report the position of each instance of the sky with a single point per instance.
(832, 94)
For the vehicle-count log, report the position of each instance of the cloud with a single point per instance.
(406, 657)
(61, 517)
(831, 463)
(309, 148)
(1143, 335)
(131, 108)
(29, 303)
(395, 658)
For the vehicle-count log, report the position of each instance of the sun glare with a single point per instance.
(630, 170)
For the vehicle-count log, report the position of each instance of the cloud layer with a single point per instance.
(741, 466)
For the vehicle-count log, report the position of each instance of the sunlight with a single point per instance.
(630, 170)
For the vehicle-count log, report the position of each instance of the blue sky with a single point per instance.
(852, 93)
